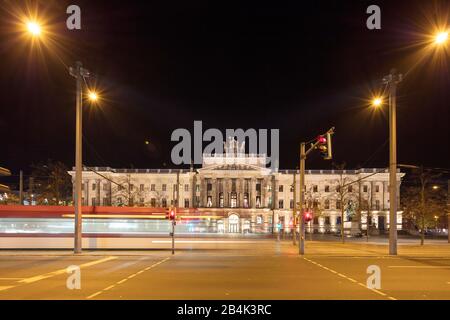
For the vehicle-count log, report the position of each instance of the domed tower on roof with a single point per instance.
(234, 154)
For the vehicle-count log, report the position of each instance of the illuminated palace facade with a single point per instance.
(237, 193)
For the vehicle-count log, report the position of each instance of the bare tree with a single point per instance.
(125, 189)
(52, 182)
(344, 195)
(422, 202)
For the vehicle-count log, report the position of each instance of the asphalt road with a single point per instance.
(236, 269)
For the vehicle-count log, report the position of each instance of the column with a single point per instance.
(214, 192)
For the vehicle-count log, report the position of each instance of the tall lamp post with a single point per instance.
(80, 74)
(392, 80)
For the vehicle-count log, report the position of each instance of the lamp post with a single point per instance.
(391, 81)
(79, 73)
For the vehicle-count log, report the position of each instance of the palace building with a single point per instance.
(235, 192)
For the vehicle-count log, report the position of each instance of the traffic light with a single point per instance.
(307, 216)
(172, 214)
(324, 146)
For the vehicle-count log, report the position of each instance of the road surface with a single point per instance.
(231, 269)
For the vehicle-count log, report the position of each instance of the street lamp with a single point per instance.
(377, 102)
(391, 81)
(441, 38)
(93, 96)
(80, 74)
(34, 28)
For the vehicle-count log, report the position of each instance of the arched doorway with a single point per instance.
(233, 223)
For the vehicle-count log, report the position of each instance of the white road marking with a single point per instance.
(63, 271)
(5, 287)
(350, 279)
(421, 267)
(127, 278)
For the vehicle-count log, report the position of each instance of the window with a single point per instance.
(153, 202)
(186, 203)
(291, 204)
(315, 188)
(233, 200)
(175, 187)
(338, 204)
(141, 202)
(131, 202)
(141, 187)
(350, 189)
(221, 202)
(164, 187)
(94, 203)
(377, 204)
(327, 204)
(94, 185)
(105, 187)
(327, 188)
(280, 204)
(338, 189)
(258, 201)
(208, 186)
(258, 187)
(280, 188)
(365, 188)
(186, 187)
(197, 188)
(209, 202)
(164, 202)
(152, 187)
(245, 204)
(197, 201)
(377, 188)
(315, 203)
(327, 220)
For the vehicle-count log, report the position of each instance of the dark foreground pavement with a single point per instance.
(255, 269)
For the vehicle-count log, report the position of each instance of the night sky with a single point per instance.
(300, 66)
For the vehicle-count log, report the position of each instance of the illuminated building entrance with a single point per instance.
(233, 223)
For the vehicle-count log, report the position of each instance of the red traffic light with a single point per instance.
(171, 213)
(321, 139)
(307, 216)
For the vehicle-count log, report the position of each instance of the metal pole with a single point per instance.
(21, 187)
(393, 164)
(448, 210)
(294, 211)
(173, 236)
(78, 160)
(301, 240)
